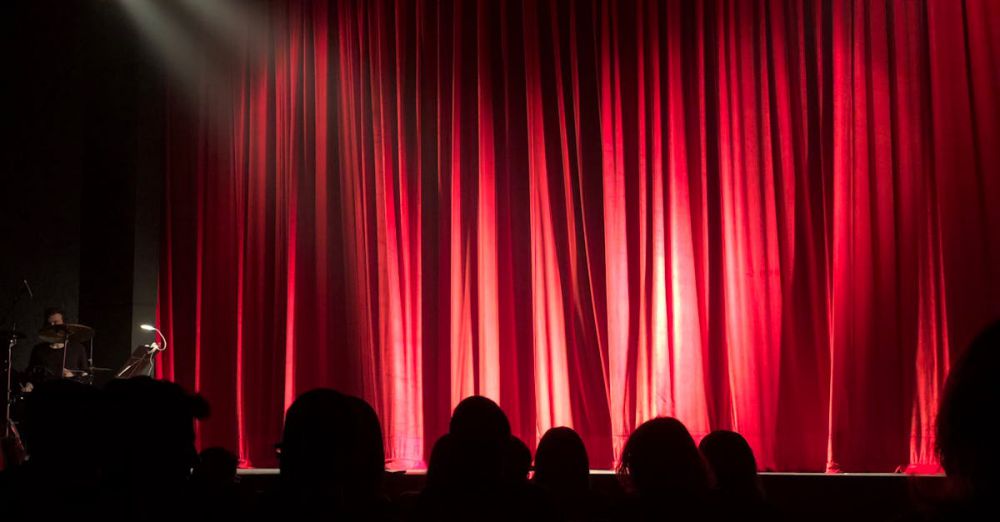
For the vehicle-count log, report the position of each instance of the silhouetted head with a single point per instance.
(368, 463)
(333, 442)
(733, 463)
(479, 418)
(660, 460)
(151, 432)
(561, 461)
(216, 466)
(441, 469)
(518, 461)
(476, 451)
(966, 436)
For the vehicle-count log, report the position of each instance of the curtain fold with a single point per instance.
(776, 217)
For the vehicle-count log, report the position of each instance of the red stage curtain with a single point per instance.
(776, 217)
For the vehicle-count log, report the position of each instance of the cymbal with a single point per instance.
(58, 333)
(7, 334)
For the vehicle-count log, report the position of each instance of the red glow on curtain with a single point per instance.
(772, 217)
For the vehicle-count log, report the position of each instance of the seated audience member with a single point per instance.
(665, 472)
(739, 492)
(60, 435)
(517, 464)
(480, 434)
(475, 470)
(332, 460)
(562, 470)
(479, 418)
(441, 469)
(149, 449)
(216, 468)
(215, 485)
(966, 433)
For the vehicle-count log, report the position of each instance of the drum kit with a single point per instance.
(19, 383)
(73, 333)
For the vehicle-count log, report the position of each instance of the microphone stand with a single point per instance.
(65, 349)
(9, 372)
(8, 425)
(11, 447)
(90, 363)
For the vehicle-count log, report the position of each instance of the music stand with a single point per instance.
(139, 363)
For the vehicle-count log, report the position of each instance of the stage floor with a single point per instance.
(803, 496)
(598, 472)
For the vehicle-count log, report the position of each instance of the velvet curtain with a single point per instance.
(777, 217)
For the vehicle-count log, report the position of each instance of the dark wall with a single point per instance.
(121, 161)
(80, 171)
(42, 178)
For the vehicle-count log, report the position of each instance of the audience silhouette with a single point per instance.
(663, 468)
(738, 489)
(137, 460)
(149, 448)
(477, 471)
(64, 466)
(562, 470)
(518, 461)
(215, 487)
(216, 468)
(331, 459)
(966, 432)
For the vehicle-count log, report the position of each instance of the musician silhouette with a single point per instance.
(55, 358)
